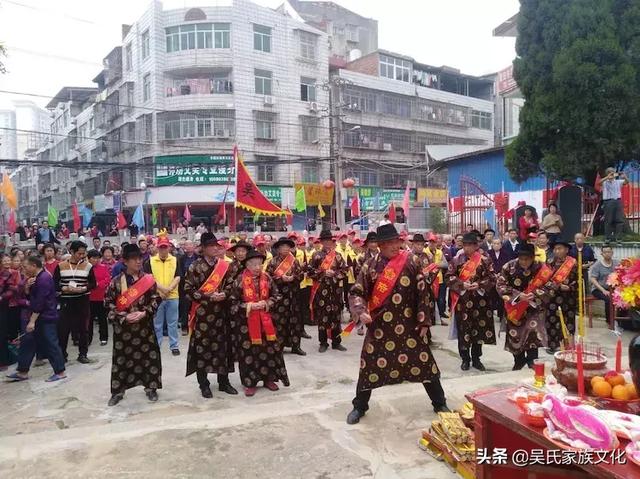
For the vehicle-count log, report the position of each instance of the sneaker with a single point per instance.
(338, 347)
(152, 394)
(84, 360)
(354, 416)
(185, 332)
(323, 348)
(103, 343)
(175, 352)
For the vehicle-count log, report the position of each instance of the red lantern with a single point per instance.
(328, 184)
(348, 183)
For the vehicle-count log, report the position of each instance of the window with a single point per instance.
(263, 82)
(199, 35)
(128, 58)
(395, 68)
(309, 127)
(310, 174)
(265, 173)
(146, 87)
(265, 125)
(481, 119)
(146, 48)
(200, 124)
(307, 89)
(308, 42)
(262, 38)
(92, 124)
(365, 177)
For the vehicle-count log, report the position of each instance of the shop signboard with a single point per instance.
(373, 198)
(171, 170)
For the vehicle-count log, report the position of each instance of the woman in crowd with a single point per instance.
(50, 261)
(8, 288)
(552, 224)
(526, 222)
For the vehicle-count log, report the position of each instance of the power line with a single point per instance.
(57, 12)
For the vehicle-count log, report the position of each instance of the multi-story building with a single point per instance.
(8, 135)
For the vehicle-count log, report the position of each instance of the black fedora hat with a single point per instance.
(527, 249)
(470, 238)
(208, 239)
(130, 251)
(254, 253)
(418, 238)
(289, 242)
(371, 236)
(326, 235)
(241, 244)
(562, 243)
(387, 232)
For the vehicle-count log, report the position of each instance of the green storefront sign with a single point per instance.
(373, 198)
(173, 170)
(273, 193)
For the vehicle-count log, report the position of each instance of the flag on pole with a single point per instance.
(122, 221)
(289, 216)
(52, 216)
(87, 215)
(154, 216)
(187, 214)
(11, 224)
(392, 212)
(321, 210)
(490, 217)
(9, 192)
(597, 185)
(248, 195)
(405, 204)
(355, 206)
(77, 224)
(301, 201)
(222, 213)
(138, 217)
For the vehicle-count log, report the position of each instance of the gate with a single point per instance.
(475, 205)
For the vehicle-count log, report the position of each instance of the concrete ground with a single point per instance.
(65, 429)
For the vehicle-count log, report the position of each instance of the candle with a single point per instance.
(619, 355)
(580, 368)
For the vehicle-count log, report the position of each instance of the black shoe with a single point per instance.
(518, 365)
(298, 351)
(478, 365)
(551, 350)
(227, 388)
(175, 352)
(323, 348)
(115, 399)
(442, 408)
(206, 392)
(75, 342)
(338, 347)
(530, 363)
(465, 365)
(103, 343)
(84, 360)
(305, 335)
(286, 383)
(354, 416)
(185, 332)
(152, 394)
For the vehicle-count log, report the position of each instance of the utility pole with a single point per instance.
(334, 87)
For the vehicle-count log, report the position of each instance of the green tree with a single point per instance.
(578, 68)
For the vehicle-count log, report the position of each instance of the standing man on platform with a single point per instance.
(612, 203)
(327, 269)
(563, 293)
(521, 285)
(211, 348)
(471, 280)
(389, 297)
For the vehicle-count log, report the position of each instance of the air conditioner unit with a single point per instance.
(269, 100)
(387, 147)
(313, 106)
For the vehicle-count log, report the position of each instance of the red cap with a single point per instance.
(163, 242)
(301, 241)
(533, 235)
(432, 237)
(357, 241)
(404, 234)
(352, 232)
(316, 240)
(292, 234)
(259, 242)
(341, 235)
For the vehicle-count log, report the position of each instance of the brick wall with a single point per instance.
(368, 64)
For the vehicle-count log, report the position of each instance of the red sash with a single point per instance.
(467, 272)
(284, 266)
(324, 266)
(435, 286)
(134, 292)
(387, 280)
(516, 311)
(563, 272)
(212, 283)
(257, 320)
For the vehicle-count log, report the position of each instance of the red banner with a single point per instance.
(248, 195)
(135, 291)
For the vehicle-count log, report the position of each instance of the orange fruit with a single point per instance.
(602, 389)
(595, 379)
(617, 380)
(631, 390)
(620, 392)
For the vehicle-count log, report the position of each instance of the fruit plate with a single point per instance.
(564, 445)
(631, 406)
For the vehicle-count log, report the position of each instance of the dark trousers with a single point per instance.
(304, 300)
(183, 311)
(476, 351)
(442, 299)
(607, 303)
(13, 325)
(553, 237)
(45, 339)
(526, 357)
(203, 382)
(99, 314)
(433, 388)
(323, 336)
(74, 317)
(613, 218)
(4, 326)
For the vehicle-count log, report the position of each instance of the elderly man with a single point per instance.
(598, 276)
(389, 297)
(471, 278)
(612, 203)
(188, 257)
(563, 294)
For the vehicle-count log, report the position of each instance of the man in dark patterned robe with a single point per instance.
(526, 332)
(327, 269)
(389, 297)
(211, 345)
(563, 293)
(287, 273)
(260, 358)
(471, 280)
(132, 300)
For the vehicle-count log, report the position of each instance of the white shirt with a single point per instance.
(611, 189)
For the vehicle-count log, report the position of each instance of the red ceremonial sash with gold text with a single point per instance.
(435, 286)
(563, 272)
(284, 266)
(324, 266)
(134, 292)
(467, 272)
(516, 311)
(212, 283)
(257, 320)
(387, 280)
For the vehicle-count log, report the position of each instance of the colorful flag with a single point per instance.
(597, 185)
(289, 216)
(405, 204)
(76, 217)
(320, 210)
(248, 195)
(52, 216)
(490, 218)
(392, 212)
(355, 206)
(11, 224)
(138, 217)
(122, 221)
(9, 192)
(87, 215)
(301, 201)
(222, 213)
(187, 214)
(154, 216)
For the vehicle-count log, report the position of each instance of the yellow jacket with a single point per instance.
(303, 256)
(347, 254)
(164, 272)
(437, 258)
(541, 255)
(267, 261)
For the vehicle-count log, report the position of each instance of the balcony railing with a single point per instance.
(200, 86)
